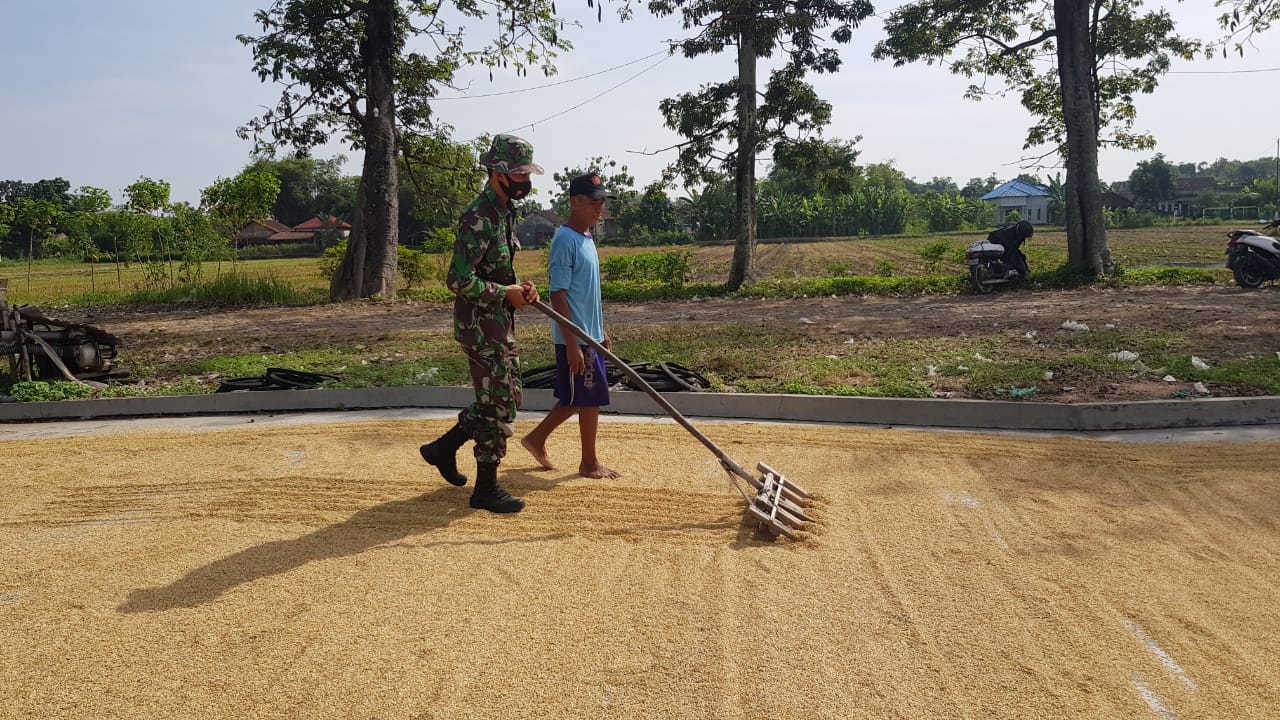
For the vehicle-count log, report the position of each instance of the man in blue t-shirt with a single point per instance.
(582, 386)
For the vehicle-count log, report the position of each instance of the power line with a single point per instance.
(1220, 72)
(584, 102)
(554, 84)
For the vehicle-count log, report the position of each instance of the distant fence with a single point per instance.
(1238, 212)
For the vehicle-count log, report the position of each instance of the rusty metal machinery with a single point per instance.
(39, 347)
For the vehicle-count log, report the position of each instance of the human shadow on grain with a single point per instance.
(366, 529)
(382, 525)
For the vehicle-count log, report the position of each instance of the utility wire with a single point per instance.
(596, 97)
(551, 85)
(1220, 72)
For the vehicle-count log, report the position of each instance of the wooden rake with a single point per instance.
(774, 500)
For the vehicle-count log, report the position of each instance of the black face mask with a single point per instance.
(515, 190)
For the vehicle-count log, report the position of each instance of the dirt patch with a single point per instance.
(1216, 322)
(322, 572)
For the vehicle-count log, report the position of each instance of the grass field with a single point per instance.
(61, 283)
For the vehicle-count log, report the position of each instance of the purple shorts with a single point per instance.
(588, 390)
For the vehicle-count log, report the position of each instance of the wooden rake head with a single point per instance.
(778, 502)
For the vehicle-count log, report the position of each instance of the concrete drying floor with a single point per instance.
(282, 570)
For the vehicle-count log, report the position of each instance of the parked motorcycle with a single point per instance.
(1252, 256)
(999, 259)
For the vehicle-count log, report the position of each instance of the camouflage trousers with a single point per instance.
(490, 420)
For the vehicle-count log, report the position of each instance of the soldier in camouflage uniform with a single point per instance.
(483, 277)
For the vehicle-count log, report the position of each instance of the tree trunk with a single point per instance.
(745, 170)
(1086, 229)
(369, 267)
(349, 276)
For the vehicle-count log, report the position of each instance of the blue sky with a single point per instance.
(103, 93)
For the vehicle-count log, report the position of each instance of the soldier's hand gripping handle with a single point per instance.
(519, 295)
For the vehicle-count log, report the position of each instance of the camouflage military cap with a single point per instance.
(510, 154)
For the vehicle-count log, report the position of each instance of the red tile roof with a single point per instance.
(318, 224)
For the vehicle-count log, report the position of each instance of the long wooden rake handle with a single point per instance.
(728, 462)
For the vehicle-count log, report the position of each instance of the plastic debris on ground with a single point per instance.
(1169, 378)
(1073, 325)
(1017, 391)
(1199, 364)
(1197, 391)
(1124, 355)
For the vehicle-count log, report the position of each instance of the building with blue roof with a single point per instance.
(1031, 202)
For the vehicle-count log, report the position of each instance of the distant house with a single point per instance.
(262, 232)
(1116, 201)
(1031, 202)
(318, 226)
(1185, 191)
(536, 229)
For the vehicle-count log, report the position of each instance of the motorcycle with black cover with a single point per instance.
(1252, 256)
(999, 259)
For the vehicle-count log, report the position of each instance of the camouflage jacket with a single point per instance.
(482, 268)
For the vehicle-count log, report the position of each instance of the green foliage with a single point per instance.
(1131, 51)
(669, 269)
(228, 290)
(232, 202)
(1128, 218)
(277, 250)
(308, 187)
(414, 266)
(147, 196)
(1152, 180)
(40, 391)
(330, 259)
(1167, 276)
(885, 268)
(943, 212)
(439, 240)
(641, 236)
(934, 253)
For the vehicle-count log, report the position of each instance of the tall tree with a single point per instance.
(440, 181)
(348, 68)
(232, 202)
(309, 187)
(730, 112)
(1100, 54)
(33, 214)
(1152, 180)
(816, 166)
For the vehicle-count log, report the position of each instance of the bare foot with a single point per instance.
(598, 471)
(538, 452)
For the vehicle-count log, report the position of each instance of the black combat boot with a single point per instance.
(443, 454)
(489, 495)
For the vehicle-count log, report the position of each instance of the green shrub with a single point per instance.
(642, 236)
(229, 290)
(414, 266)
(330, 259)
(934, 253)
(670, 269)
(438, 240)
(280, 250)
(49, 391)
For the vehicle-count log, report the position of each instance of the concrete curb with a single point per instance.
(998, 415)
